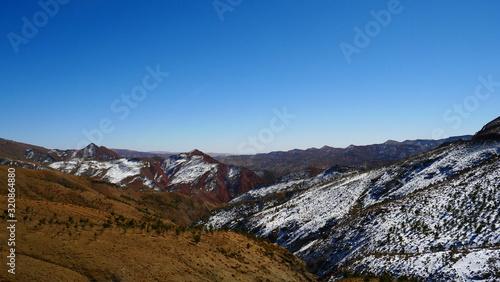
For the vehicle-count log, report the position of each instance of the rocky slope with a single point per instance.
(194, 174)
(199, 175)
(434, 217)
(31, 156)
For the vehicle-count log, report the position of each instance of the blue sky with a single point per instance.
(231, 70)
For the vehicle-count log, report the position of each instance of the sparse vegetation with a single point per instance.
(96, 220)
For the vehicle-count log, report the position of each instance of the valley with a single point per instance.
(426, 216)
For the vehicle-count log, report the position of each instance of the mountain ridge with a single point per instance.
(366, 156)
(433, 216)
(490, 131)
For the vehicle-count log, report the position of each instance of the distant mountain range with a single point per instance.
(163, 154)
(200, 175)
(362, 157)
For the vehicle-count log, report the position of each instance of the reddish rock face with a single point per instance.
(94, 152)
(199, 175)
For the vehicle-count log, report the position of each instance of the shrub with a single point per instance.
(107, 224)
(197, 238)
(385, 278)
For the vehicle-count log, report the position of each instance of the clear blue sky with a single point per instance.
(226, 77)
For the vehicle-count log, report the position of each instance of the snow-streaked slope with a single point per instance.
(292, 184)
(445, 199)
(195, 173)
(112, 171)
(462, 213)
(460, 266)
(187, 170)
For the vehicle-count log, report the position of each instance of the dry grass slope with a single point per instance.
(79, 229)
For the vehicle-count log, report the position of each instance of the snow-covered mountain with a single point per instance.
(122, 172)
(195, 174)
(435, 216)
(199, 175)
(103, 163)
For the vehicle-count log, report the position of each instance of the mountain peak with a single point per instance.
(94, 152)
(197, 152)
(391, 142)
(491, 131)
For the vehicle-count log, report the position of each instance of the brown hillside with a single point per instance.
(79, 229)
(64, 188)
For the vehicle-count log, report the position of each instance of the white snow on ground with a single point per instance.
(59, 153)
(112, 171)
(264, 191)
(473, 265)
(422, 207)
(286, 186)
(191, 170)
(233, 172)
(90, 152)
(444, 164)
(322, 206)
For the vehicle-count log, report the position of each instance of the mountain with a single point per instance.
(370, 156)
(199, 175)
(75, 228)
(163, 154)
(31, 156)
(434, 216)
(489, 131)
(25, 155)
(138, 154)
(194, 174)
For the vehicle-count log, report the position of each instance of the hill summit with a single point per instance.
(489, 131)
